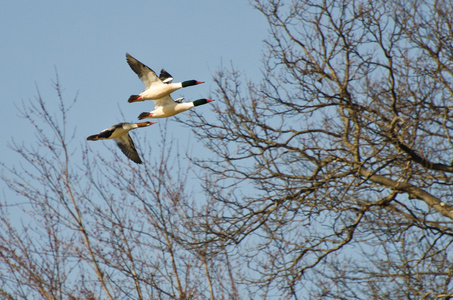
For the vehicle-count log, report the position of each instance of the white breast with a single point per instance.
(171, 110)
(161, 90)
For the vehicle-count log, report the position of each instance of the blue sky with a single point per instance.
(86, 42)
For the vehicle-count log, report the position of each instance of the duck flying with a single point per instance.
(120, 133)
(166, 107)
(155, 87)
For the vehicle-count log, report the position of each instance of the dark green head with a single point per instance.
(190, 83)
(201, 102)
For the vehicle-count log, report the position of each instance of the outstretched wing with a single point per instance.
(167, 100)
(146, 75)
(127, 146)
(165, 76)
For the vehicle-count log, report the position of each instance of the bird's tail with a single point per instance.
(134, 98)
(144, 115)
(93, 137)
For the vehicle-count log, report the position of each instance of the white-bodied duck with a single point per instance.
(120, 133)
(155, 87)
(166, 107)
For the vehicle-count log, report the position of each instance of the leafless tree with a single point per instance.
(334, 173)
(84, 226)
(329, 178)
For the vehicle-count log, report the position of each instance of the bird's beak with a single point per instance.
(144, 124)
(209, 100)
(200, 82)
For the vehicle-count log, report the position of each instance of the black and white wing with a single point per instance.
(165, 76)
(127, 146)
(146, 75)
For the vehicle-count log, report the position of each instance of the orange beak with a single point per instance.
(144, 124)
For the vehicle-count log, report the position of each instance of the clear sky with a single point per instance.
(86, 42)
